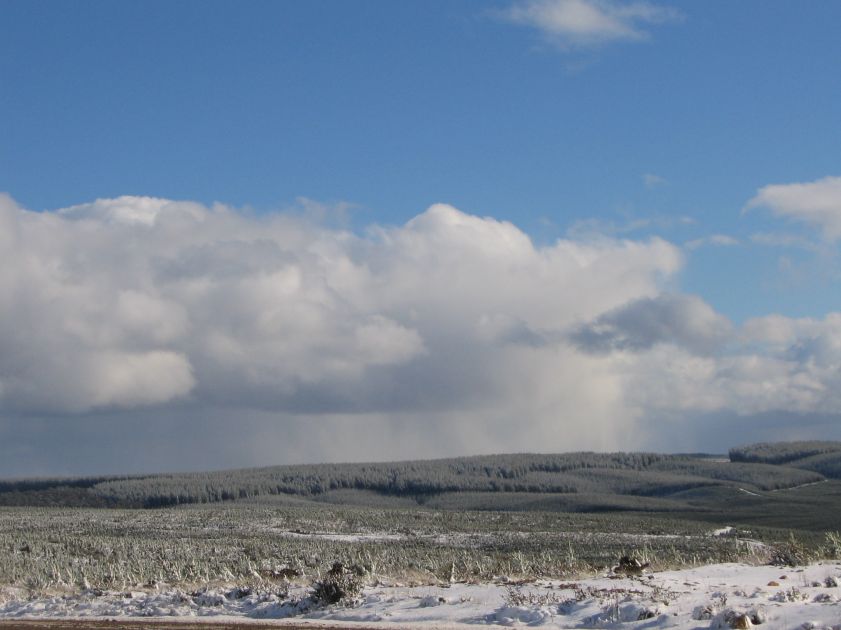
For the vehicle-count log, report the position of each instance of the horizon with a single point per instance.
(235, 235)
(150, 473)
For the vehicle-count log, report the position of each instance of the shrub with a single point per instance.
(832, 546)
(339, 586)
(789, 553)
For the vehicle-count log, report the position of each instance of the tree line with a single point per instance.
(635, 474)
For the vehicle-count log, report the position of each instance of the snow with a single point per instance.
(351, 538)
(712, 596)
(725, 531)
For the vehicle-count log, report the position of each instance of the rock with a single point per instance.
(740, 621)
(830, 582)
(773, 583)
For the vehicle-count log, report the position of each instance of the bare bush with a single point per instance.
(339, 586)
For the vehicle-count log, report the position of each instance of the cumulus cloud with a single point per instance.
(815, 203)
(138, 301)
(452, 333)
(129, 210)
(589, 22)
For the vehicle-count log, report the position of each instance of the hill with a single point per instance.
(823, 458)
(695, 485)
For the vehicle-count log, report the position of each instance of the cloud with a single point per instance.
(815, 203)
(129, 210)
(450, 334)
(682, 320)
(775, 364)
(716, 240)
(653, 181)
(581, 23)
(138, 301)
(789, 241)
(816, 342)
(740, 384)
(594, 228)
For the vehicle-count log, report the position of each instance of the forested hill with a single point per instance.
(756, 468)
(820, 457)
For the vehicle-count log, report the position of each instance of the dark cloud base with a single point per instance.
(716, 433)
(224, 439)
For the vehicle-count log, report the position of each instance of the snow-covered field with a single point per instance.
(713, 596)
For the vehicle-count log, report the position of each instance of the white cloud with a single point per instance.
(678, 381)
(451, 329)
(653, 181)
(774, 364)
(129, 210)
(806, 340)
(789, 241)
(128, 379)
(816, 203)
(776, 331)
(138, 301)
(594, 228)
(716, 240)
(589, 22)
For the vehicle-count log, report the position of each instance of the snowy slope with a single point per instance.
(711, 596)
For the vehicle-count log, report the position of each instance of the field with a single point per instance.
(268, 553)
(47, 548)
(412, 566)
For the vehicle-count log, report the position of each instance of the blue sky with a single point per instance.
(576, 120)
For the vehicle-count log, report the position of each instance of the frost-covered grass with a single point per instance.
(76, 549)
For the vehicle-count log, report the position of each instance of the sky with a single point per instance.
(254, 233)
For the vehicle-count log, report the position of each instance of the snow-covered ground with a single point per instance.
(714, 596)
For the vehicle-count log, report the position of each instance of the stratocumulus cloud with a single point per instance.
(453, 330)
